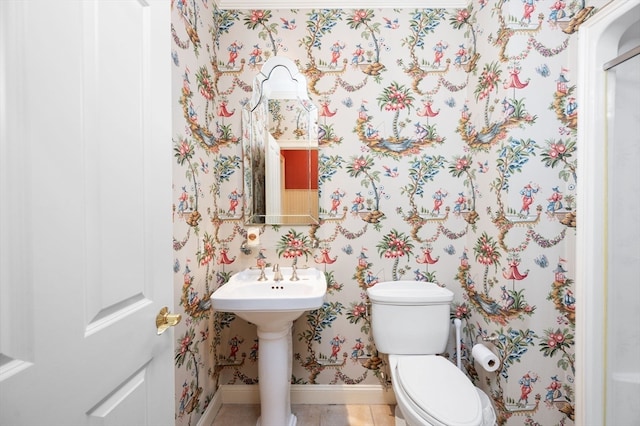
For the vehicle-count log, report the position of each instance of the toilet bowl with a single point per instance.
(410, 324)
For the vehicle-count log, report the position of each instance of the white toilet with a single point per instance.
(410, 323)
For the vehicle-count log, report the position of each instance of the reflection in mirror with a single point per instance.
(280, 148)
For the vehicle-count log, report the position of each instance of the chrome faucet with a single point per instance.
(277, 275)
(294, 274)
(262, 276)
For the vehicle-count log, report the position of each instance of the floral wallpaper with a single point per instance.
(447, 154)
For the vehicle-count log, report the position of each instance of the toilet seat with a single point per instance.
(438, 391)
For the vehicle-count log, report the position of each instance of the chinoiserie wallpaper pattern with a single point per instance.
(447, 153)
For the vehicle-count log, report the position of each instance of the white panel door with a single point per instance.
(85, 212)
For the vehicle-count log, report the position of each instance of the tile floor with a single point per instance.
(312, 415)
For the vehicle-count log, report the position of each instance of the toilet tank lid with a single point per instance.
(409, 292)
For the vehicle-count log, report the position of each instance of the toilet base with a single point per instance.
(399, 417)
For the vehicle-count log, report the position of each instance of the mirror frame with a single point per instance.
(278, 80)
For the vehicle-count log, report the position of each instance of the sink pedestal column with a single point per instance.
(274, 374)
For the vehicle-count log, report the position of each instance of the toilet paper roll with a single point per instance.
(487, 359)
(253, 237)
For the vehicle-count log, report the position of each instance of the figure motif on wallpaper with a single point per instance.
(336, 199)
(438, 50)
(336, 346)
(234, 347)
(234, 200)
(526, 387)
(529, 8)
(555, 200)
(364, 19)
(255, 56)
(438, 200)
(336, 50)
(527, 197)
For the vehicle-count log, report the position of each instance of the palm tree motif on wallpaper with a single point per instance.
(514, 305)
(394, 98)
(513, 112)
(183, 152)
(461, 167)
(395, 245)
(362, 166)
(292, 245)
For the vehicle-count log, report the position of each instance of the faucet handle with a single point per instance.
(262, 276)
(294, 274)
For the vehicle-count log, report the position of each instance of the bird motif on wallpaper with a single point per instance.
(288, 25)
(392, 24)
(388, 171)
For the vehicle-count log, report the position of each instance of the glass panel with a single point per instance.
(623, 247)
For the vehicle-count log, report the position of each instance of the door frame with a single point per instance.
(597, 44)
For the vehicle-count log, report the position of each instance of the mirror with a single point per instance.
(280, 148)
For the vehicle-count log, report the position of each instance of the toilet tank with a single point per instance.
(410, 317)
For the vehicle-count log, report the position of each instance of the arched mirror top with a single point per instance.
(279, 78)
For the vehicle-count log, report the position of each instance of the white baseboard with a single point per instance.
(212, 411)
(313, 394)
(300, 394)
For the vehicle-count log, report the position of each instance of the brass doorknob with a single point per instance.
(164, 320)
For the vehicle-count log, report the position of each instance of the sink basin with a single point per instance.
(273, 306)
(244, 293)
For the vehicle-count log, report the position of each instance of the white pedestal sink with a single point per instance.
(273, 306)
